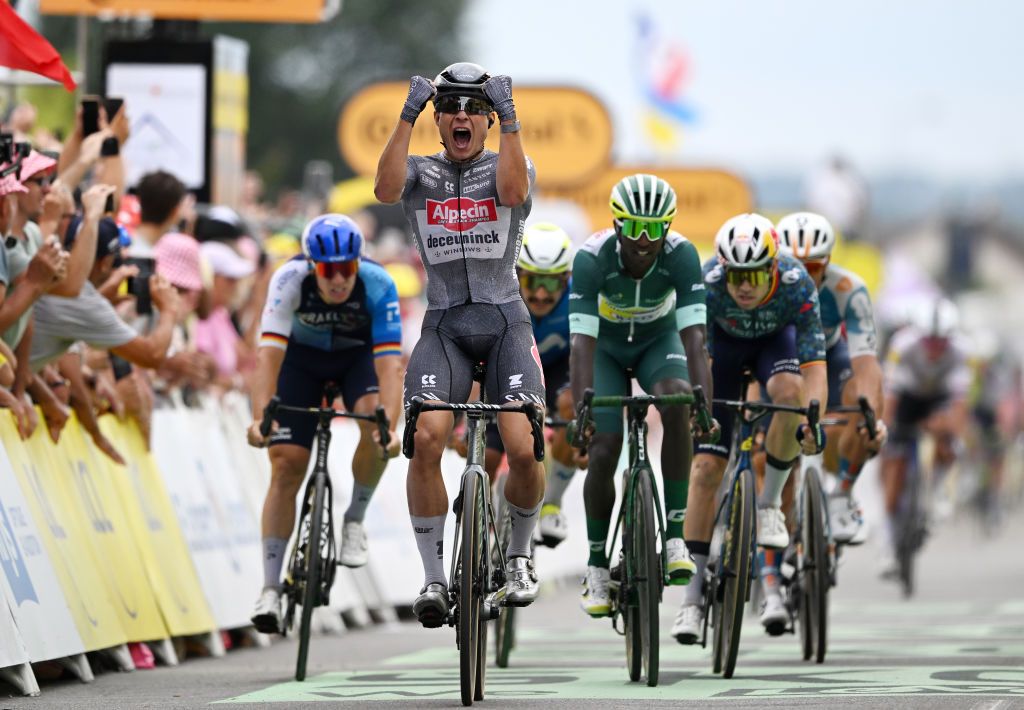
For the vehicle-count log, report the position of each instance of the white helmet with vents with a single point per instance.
(746, 241)
(806, 235)
(547, 249)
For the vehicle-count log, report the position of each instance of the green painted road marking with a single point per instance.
(601, 684)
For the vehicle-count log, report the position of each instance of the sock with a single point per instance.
(694, 591)
(558, 480)
(524, 520)
(360, 499)
(597, 537)
(273, 561)
(675, 507)
(769, 560)
(847, 475)
(775, 474)
(430, 541)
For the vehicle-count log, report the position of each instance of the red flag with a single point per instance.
(21, 47)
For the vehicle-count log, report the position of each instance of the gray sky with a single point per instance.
(928, 86)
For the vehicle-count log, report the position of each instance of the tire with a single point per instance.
(504, 627)
(713, 605)
(469, 597)
(482, 584)
(628, 599)
(910, 530)
(735, 569)
(649, 578)
(313, 563)
(814, 572)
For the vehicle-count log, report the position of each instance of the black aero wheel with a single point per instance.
(739, 551)
(311, 569)
(504, 627)
(629, 603)
(713, 607)
(815, 577)
(649, 579)
(469, 600)
(481, 583)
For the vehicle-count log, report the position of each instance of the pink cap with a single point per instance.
(36, 162)
(177, 260)
(10, 184)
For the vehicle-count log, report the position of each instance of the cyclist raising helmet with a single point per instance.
(330, 316)
(466, 206)
(638, 286)
(851, 359)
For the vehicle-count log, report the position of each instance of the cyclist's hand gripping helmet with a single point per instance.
(642, 203)
(746, 241)
(334, 245)
(806, 236)
(460, 86)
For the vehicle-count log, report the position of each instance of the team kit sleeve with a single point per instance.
(691, 308)
(384, 309)
(282, 300)
(412, 173)
(586, 280)
(859, 318)
(810, 336)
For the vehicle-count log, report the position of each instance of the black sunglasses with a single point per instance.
(469, 104)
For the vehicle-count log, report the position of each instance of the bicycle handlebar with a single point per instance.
(863, 408)
(379, 417)
(697, 399)
(418, 405)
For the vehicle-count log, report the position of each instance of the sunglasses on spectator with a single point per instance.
(634, 229)
(469, 104)
(329, 269)
(815, 267)
(755, 277)
(45, 181)
(549, 282)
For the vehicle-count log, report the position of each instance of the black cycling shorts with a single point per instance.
(556, 381)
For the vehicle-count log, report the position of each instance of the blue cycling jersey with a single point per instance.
(295, 311)
(792, 298)
(552, 331)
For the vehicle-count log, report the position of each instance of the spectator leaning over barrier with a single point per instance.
(217, 335)
(161, 199)
(9, 188)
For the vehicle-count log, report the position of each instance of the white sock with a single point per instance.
(559, 479)
(430, 541)
(524, 520)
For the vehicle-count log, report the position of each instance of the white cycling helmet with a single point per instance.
(937, 318)
(746, 241)
(805, 235)
(547, 249)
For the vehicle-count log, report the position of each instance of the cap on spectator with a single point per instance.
(219, 222)
(36, 162)
(108, 236)
(10, 184)
(225, 260)
(177, 260)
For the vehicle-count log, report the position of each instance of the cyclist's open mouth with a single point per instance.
(461, 137)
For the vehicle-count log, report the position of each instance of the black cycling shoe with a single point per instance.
(431, 606)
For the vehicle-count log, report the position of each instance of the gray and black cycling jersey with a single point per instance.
(468, 240)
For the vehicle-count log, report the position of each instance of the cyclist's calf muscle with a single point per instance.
(705, 477)
(288, 469)
(425, 486)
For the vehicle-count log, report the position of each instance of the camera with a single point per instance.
(138, 285)
(11, 152)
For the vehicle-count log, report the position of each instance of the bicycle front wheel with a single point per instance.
(814, 570)
(734, 570)
(312, 566)
(469, 589)
(649, 578)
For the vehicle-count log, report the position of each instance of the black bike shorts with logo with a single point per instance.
(454, 340)
(305, 373)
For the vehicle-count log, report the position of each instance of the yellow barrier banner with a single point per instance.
(73, 561)
(101, 520)
(154, 527)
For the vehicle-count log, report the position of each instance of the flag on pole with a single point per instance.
(21, 47)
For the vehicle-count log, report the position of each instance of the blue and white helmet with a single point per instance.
(332, 238)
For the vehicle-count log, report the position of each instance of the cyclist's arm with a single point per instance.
(815, 377)
(862, 341)
(811, 343)
(867, 372)
(695, 344)
(393, 166)
(387, 338)
(581, 365)
(584, 322)
(692, 313)
(389, 377)
(275, 327)
(515, 173)
(264, 381)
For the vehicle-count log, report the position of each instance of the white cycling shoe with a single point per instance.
(354, 551)
(681, 566)
(266, 617)
(771, 528)
(774, 616)
(845, 518)
(552, 527)
(596, 598)
(689, 624)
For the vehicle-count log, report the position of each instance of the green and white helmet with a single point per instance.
(644, 198)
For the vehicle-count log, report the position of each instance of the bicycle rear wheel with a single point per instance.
(649, 580)
(814, 570)
(734, 569)
(911, 529)
(469, 597)
(505, 627)
(311, 563)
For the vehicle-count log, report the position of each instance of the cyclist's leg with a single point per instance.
(946, 425)
(439, 371)
(360, 394)
(561, 467)
(779, 372)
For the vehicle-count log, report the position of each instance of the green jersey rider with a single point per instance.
(637, 303)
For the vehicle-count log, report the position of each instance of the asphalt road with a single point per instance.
(958, 644)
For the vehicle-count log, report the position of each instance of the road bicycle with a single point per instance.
(642, 570)
(313, 563)
(476, 585)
